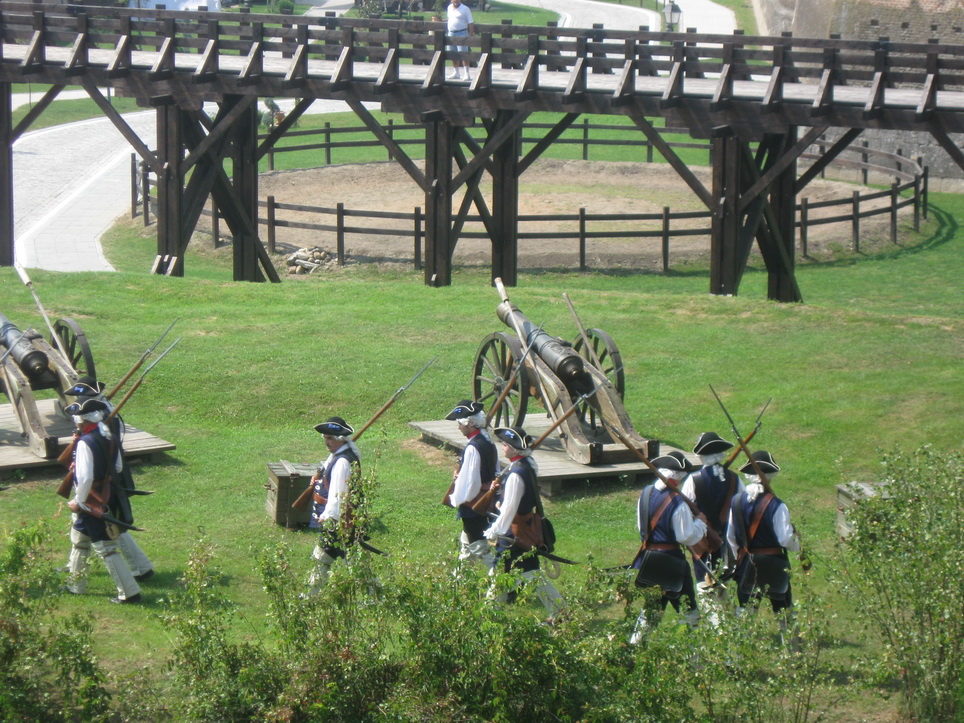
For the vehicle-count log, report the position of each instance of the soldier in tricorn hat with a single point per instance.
(87, 387)
(477, 468)
(759, 536)
(712, 487)
(665, 524)
(330, 493)
(517, 521)
(96, 458)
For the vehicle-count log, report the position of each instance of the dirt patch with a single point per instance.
(549, 187)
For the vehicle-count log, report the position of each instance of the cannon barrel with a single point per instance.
(31, 361)
(564, 361)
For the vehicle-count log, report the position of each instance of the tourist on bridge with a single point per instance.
(332, 487)
(460, 24)
(478, 465)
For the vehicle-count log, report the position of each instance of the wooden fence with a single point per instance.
(909, 177)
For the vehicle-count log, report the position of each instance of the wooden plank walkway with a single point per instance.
(15, 452)
(556, 470)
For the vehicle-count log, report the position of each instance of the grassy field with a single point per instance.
(872, 360)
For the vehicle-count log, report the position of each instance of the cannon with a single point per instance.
(31, 364)
(558, 373)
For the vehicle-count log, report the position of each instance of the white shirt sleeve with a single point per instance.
(784, 530)
(512, 496)
(469, 480)
(337, 488)
(688, 531)
(83, 473)
(731, 534)
(689, 487)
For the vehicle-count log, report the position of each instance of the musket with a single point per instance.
(301, 503)
(372, 548)
(53, 335)
(751, 435)
(541, 553)
(485, 501)
(802, 556)
(742, 443)
(582, 333)
(139, 362)
(64, 488)
(711, 535)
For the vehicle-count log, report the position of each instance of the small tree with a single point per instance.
(906, 569)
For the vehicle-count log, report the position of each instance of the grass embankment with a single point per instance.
(871, 360)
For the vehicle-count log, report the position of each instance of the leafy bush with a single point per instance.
(47, 668)
(906, 572)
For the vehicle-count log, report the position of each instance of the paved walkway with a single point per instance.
(72, 182)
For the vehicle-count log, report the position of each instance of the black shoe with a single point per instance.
(144, 575)
(124, 601)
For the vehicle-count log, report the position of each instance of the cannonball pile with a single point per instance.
(309, 260)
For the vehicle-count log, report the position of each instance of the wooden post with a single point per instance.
(146, 192)
(7, 245)
(804, 227)
(245, 181)
(215, 225)
(924, 194)
(894, 199)
(418, 238)
(582, 239)
(391, 129)
(505, 205)
(133, 185)
(271, 225)
(916, 202)
(439, 146)
(327, 143)
(855, 221)
(170, 150)
(585, 139)
(665, 239)
(340, 232)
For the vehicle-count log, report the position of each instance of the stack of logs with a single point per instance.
(309, 260)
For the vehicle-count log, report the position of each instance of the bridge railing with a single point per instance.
(829, 63)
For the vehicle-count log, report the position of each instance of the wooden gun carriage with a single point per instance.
(32, 364)
(557, 374)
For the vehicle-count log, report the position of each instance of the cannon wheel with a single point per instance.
(76, 346)
(494, 362)
(612, 366)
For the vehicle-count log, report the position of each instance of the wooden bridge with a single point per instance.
(761, 100)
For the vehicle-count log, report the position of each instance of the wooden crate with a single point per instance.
(286, 482)
(849, 495)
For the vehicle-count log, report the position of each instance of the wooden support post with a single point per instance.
(725, 255)
(133, 185)
(505, 205)
(439, 144)
(855, 221)
(782, 285)
(419, 234)
(582, 238)
(894, 200)
(170, 151)
(245, 181)
(215, 225)
(804, 227)
(340, 233)
(665, 239)
(7, 249)
(271, 225)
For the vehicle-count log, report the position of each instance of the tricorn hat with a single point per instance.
(674, 460)
(515, 437)
(86, 386)
(335, 427)
(711, 443)
(86, 405)
(764, 461)
(465, 408)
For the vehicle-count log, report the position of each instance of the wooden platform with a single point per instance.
(15, 452)
(556, 470)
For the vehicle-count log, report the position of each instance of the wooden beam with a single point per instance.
(39, 107)
(781, 164)
(506, 132)
(142, 150)
(222, 125)
(120, 63)
(207, 69)
(724, 90)
(279, 130)
(826, 158)
(77, 61)
(526, 89)
(388, 77)
(674, 160)
(567, 120)
(950, 146)
(482, 82)
(396, 150)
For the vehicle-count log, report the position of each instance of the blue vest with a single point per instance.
(663, 533)
(712, 494)
(765, 536)
(324, 482)
(487, 460)
(528, 502)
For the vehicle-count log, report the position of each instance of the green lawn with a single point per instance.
(872, 360)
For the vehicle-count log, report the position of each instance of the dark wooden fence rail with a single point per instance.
(785, 61)
(664, 226)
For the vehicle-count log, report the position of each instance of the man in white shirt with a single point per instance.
(460, 24)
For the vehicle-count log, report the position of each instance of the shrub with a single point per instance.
(47, 668)
(905, 566)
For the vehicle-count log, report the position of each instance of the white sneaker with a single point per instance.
(468, 76)
(455, 76)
